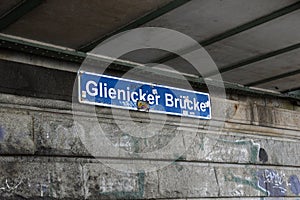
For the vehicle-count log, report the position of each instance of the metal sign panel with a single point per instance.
(103, 90)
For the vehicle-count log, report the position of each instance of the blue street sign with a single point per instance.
(103, 90)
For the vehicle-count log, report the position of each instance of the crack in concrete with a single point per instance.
(217, 181)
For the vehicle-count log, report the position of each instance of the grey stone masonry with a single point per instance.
(254, 154)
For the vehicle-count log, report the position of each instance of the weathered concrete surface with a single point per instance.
(83, 179)
(187, 181)
(57, 135)
(16, 133)
(103, 182)
(255, 181)
(46, 129)
(43, 179)
(235, 148)
(254, 154)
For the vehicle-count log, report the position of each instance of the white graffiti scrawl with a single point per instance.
(272, 182)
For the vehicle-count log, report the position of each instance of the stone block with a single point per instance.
(57, 135)
(40, 180)
(251, 181)
(104, 182)
(16, 133)
(181, 180)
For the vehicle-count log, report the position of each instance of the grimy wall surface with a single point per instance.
(254, 155)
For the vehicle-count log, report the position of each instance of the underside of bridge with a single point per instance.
(248, 149)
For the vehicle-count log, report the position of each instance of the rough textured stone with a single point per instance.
(258, 181)
(72, 180)
(254, 154)
(103, 182)
(16, 133)
(236, 148)
(32, 180)
(276, 117)
(222, 148)
(57, 135)
(179, 180)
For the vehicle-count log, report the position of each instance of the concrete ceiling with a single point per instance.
(202, 19)
(76, 22)
(254, 43)
(6, 5)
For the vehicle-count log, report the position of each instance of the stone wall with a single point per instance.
(254, 154)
